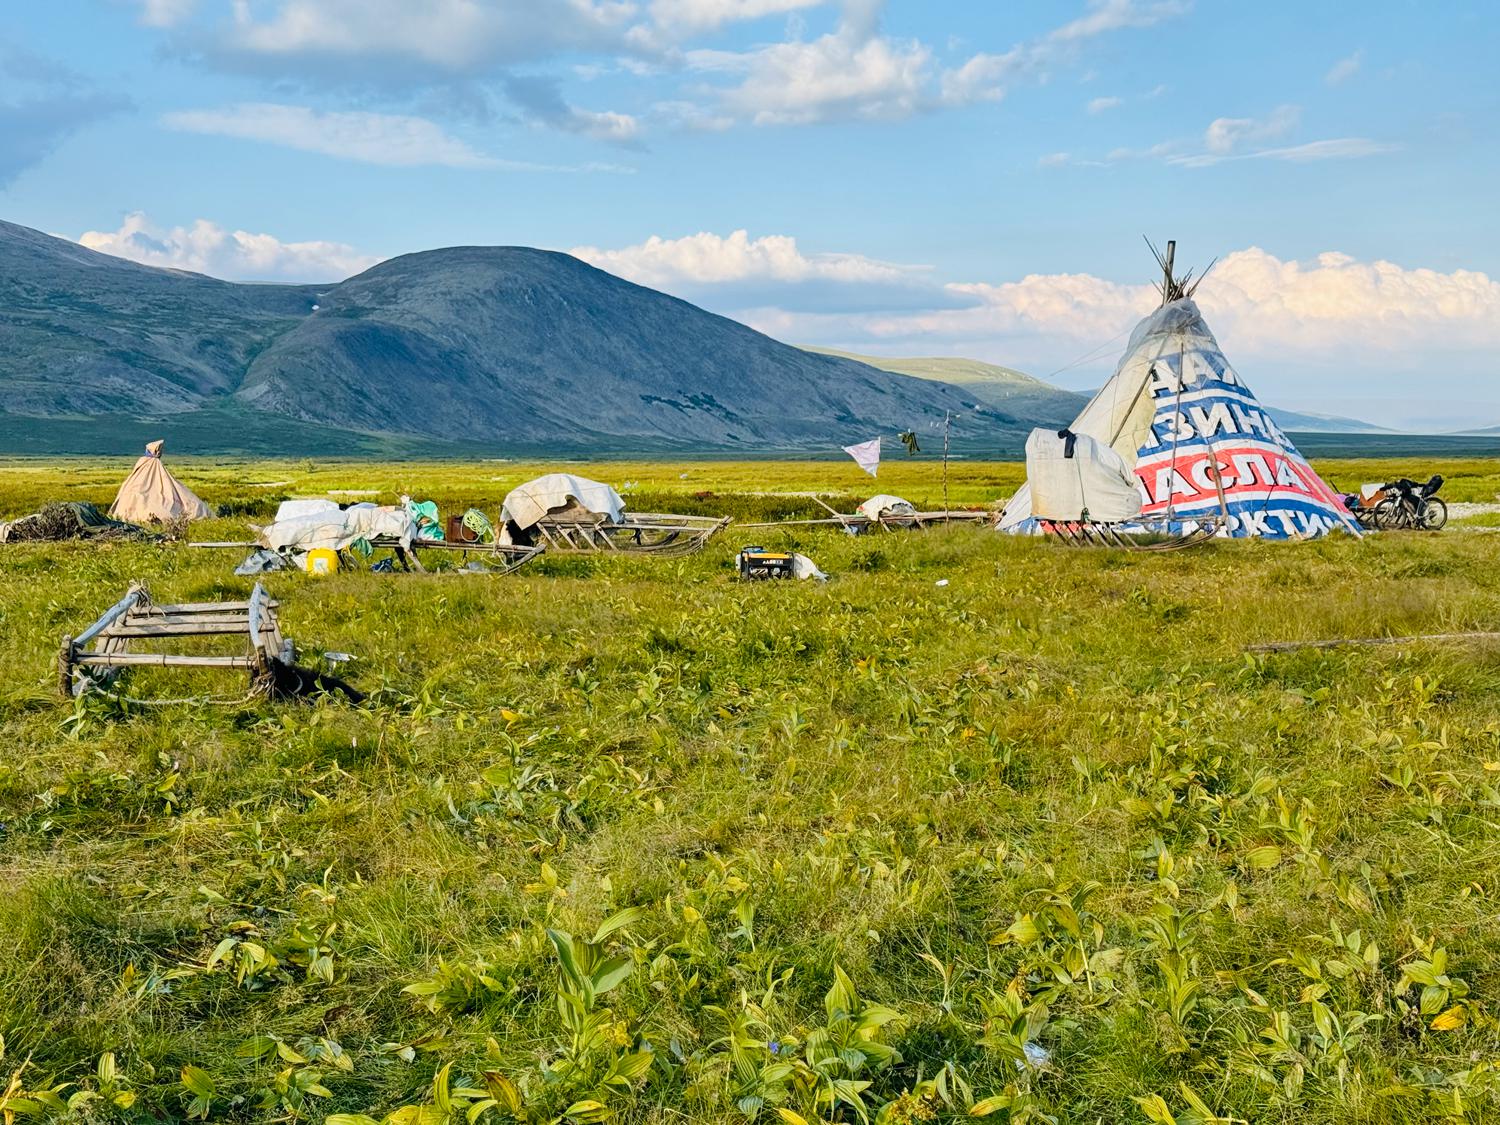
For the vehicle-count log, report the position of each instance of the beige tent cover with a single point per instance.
(151, 494)
(531, 502)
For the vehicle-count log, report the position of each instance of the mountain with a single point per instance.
(1311, 423)
(502, 347)
(1006, 389)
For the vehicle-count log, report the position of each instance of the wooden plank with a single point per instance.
(205, 628)
(242, 546)
(163, 659)
(209, 607)
(110, 615)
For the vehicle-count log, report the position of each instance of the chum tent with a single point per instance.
(151, 494)
(1202, 450)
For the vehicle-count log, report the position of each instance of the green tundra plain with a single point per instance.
(624, 839)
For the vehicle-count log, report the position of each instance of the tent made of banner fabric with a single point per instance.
(560, 496)
(1201, 447)
(151, 494)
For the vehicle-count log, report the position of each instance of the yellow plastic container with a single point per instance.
(322, 561)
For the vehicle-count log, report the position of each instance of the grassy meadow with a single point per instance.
(626, 840)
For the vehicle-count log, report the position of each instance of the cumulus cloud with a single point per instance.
(206, 247)
(1329, 326)
(852, 72)
(707, 258)
(1344, 69)
(166, 13)
(371, 138)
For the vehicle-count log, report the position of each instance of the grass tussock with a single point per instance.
(623, 839)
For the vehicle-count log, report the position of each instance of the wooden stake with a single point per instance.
(65, 668)
(947, 418)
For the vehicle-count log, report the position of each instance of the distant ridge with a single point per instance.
(504, 348)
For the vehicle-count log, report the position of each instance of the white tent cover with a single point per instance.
(151, 494)
(528, 504)
(1199, 442)
(884, 504)
(1074, 477)
(336, 529)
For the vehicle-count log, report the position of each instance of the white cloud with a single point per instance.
(166, 13)
(694, 16)
(1055, 160)
(1113, 15)
(1225, 135)
(371, 138)
(206, 247)
(707, 258)
(449, 35)
(852, 72)
(1303, 332)
(985, 76)
(1344, 69)
(1101, 105)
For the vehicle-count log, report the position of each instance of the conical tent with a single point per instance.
(151, 494)
(1203, 450)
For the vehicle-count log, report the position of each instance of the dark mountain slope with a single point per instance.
(83, 333)
(524, 345)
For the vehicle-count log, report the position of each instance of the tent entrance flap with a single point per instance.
(1074, 477)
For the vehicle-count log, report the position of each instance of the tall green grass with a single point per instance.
(626, 839)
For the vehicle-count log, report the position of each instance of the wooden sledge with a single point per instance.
(639, 533)
(135, 617)
(1126, 536)
(496, 558)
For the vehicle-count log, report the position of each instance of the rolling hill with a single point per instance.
(504, 348)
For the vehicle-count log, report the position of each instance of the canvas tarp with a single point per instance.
(528, 504)
(151, 494)
(337, 529)
(1201, 445)
(1073, 477)
(885, 505)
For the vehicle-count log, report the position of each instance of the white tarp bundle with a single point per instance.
(151, 494)
(337, 529)
(1198, 441)
(528, 504)
(1073, 477)
(885, 505)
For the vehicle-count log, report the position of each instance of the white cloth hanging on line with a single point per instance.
(866, 455)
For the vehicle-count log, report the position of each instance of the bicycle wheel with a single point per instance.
(1387, 514)
(1434, 514)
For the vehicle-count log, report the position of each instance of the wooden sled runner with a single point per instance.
(639, 533)
(1127, 537)
(268, 658)
(494, 558)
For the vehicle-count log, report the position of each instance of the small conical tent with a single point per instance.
(1202, 449)
(151, 494)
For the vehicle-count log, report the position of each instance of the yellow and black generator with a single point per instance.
(757, 563)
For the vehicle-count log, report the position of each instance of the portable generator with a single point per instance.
(757, 563)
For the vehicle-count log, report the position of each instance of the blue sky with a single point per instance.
(901, 177)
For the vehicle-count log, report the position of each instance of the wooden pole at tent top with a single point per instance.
(1166, 289)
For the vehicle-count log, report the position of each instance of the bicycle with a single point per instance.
(1405, 505)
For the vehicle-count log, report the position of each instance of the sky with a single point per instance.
(897, 177)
